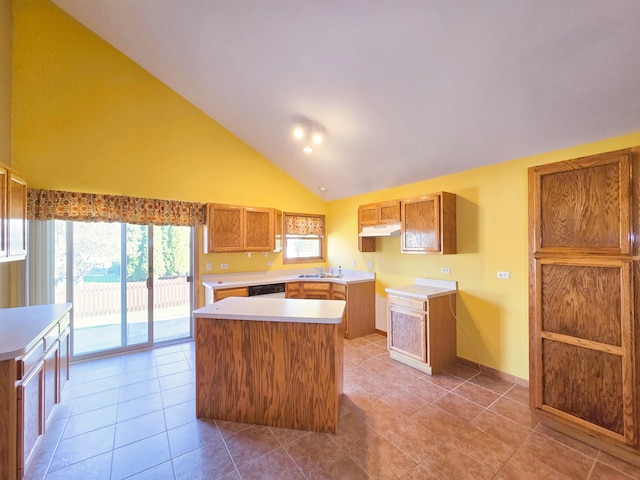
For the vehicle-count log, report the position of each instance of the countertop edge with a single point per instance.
(54, 312)
(287, 279)
(405, 291)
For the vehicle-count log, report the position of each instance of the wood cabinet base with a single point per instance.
(281, 374)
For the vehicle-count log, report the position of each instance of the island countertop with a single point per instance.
(21, 327)
(274, 310)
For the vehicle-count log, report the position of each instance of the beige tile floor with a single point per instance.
(132, 416)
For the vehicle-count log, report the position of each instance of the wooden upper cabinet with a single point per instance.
(233, 228)
(17, 215)
(13, 215)
(429, 224)
(225, 228)
(380, 213)
(582, 205)
(259, 229)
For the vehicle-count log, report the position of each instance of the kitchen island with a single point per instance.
(34, 367)
(270, 361)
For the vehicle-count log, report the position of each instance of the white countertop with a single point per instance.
(22, 327)
(274, 310)
(246, 279)
(425, 288)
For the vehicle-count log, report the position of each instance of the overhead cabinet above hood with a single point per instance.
(388, 230)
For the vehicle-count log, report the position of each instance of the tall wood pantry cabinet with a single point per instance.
(584, 244)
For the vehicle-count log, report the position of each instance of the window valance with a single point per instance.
(96, 207)
(302, 224)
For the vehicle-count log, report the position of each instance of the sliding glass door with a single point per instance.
(130, 285)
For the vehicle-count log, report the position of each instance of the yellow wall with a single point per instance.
(5, 81)
(492, 236)
(88, 119)
(5, 123)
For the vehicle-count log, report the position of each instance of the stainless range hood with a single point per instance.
(391, 229)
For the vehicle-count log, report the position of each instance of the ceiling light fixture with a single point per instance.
(309, 132)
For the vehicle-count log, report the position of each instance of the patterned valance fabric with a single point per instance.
(302, 224)
(95, 207)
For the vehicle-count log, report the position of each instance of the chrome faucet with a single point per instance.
(319, 270)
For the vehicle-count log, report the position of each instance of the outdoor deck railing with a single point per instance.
(93, 299)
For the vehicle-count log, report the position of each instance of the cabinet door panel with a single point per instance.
(368, 214)
(582, 301)
(421, 225)
(63, 372)
(30, 424)
(226, 228)
(389, 212)
(50, 390)
(17, 216)
(293, 290)
(583, 205)
(258, 229)
(407, 333)
(582, 349)
(584, 383)
(317, 290)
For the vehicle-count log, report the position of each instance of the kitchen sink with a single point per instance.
(319, 275)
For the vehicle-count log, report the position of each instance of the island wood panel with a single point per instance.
(281, 374)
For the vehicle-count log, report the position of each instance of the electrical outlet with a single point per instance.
(266, 254)
(369, 264)
(249, 254)
(224, 265)
(353, 263)
(207, 266)
(269, 264)
(504, 275)
(445, 270)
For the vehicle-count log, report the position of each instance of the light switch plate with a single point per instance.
(504, 275)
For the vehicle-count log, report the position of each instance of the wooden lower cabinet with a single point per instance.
(30, 388)
(64, 357)
(51, 394)
(422, 333)
(30, 415)
(359, 315)
(317, 290)
(220, 293)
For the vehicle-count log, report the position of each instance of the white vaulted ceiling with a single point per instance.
(406, 90)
